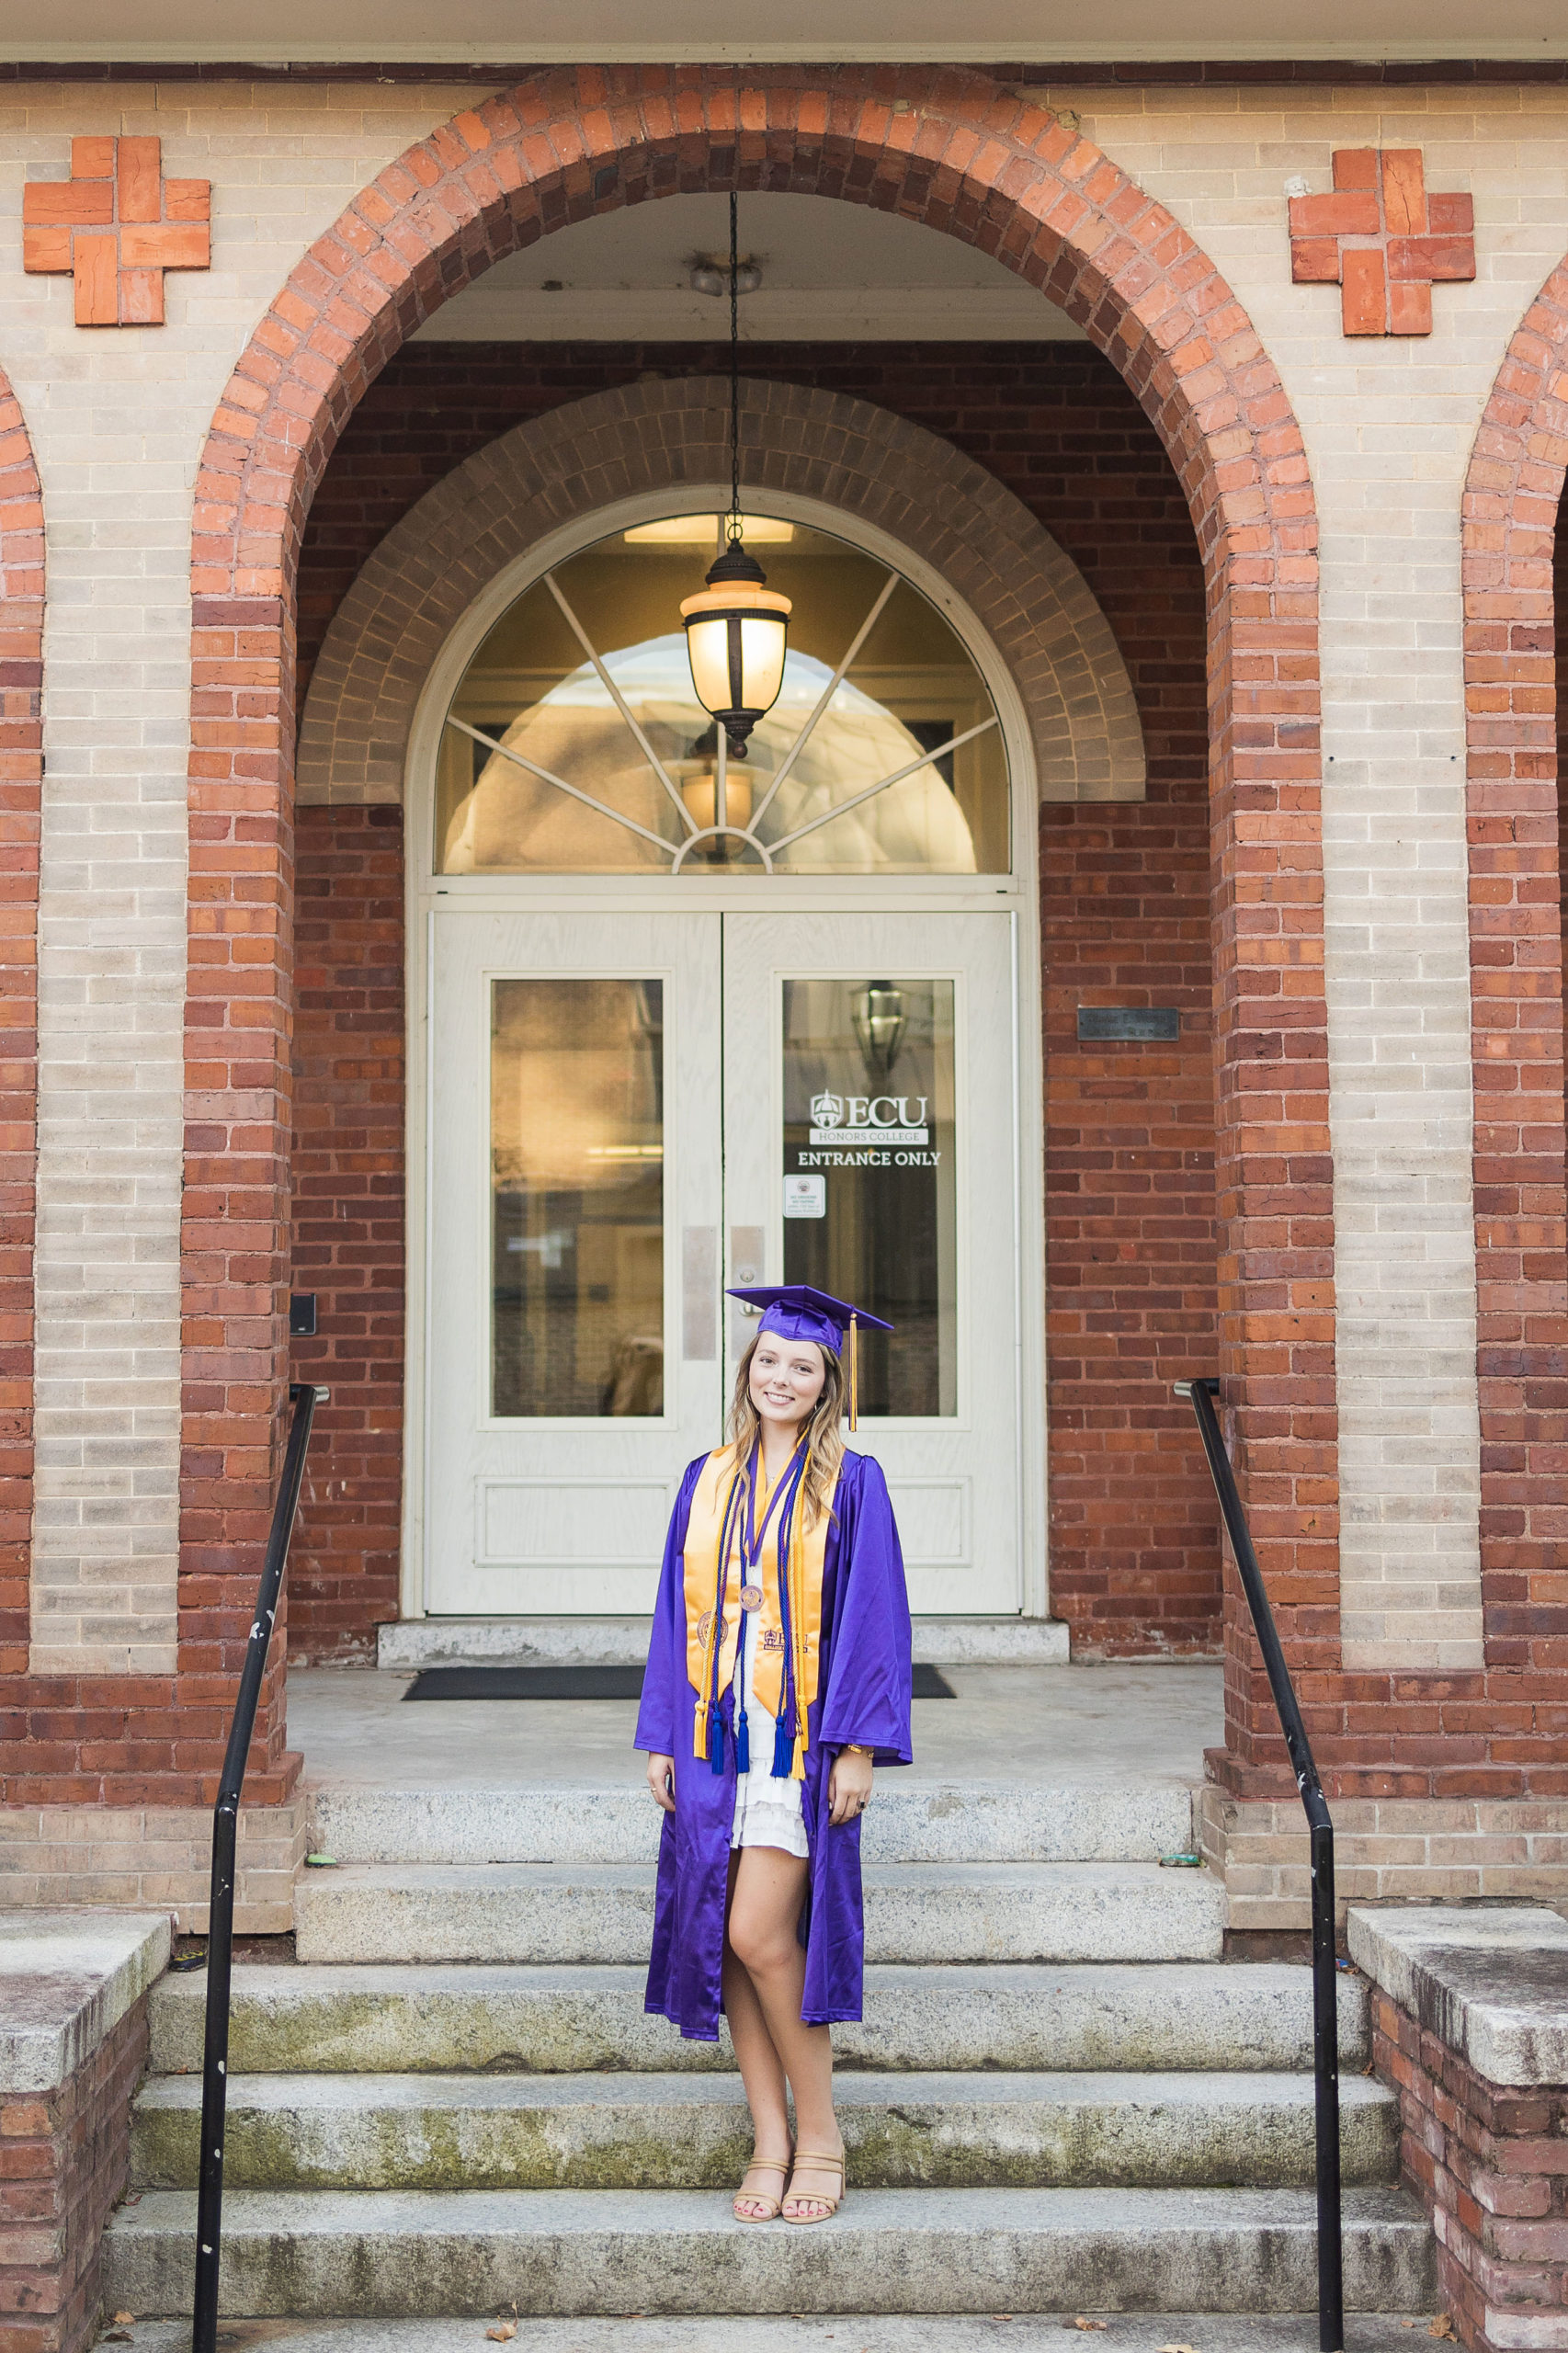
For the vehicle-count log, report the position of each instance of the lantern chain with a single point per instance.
(732, 533)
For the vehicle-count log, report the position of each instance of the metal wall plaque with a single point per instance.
(1127, 1024)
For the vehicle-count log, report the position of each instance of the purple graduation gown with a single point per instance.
(863, 1697)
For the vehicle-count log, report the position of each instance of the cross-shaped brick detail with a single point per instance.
(116, 224)
(1382, 240)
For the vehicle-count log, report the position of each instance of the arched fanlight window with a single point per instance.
(576, 742)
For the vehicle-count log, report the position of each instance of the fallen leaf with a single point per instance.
(1178, 2348)
(508, 2329)
(1082, 2323)
(1443, 2326)
(124, 2319)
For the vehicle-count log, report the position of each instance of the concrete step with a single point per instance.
(386, 2253)
(601, 1912)
(682, 2131)
(368, 2019)
(1071, 1821)
(623, 1641)
(846, 2332)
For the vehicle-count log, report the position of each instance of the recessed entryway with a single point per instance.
(662, 1057)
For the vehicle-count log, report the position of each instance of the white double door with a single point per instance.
(628, 1112)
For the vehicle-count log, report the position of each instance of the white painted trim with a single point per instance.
(828, 894)
(509, 49)
(482, 313)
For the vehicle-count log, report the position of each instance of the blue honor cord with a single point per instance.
(741, 1504)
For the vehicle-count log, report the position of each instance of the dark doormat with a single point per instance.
(579, 1683)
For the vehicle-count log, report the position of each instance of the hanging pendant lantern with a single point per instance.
(736, 630)
(736, 627)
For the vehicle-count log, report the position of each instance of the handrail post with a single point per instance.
(1320, 1825)
(1325, 2072)
(221, 1896)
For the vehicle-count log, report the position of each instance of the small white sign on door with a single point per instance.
(805, 1196)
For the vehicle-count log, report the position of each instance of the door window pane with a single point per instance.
(577, 1197)
(534, 733)
(869, 1200)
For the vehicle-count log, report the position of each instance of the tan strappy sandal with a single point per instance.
(755, 2197)
(805, 2160)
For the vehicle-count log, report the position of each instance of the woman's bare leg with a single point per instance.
(765, 1910)
(762, 2074)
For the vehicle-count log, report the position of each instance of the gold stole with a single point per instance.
(704, 1528)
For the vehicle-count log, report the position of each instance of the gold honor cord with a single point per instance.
(854, 1374)
(715, 1634)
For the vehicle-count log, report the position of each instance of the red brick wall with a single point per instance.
(1560, 618)
(64, 2159)
(1510, 509)
(1125, 910)
(348, 1221)
(1486, 2160)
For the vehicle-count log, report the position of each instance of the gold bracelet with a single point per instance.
(853, 1748)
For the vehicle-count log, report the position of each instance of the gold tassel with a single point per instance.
(854, 1374)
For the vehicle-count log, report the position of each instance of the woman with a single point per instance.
(777, 1679)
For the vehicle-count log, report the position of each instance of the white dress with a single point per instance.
(768, 1812)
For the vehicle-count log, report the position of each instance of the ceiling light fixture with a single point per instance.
(709, 274)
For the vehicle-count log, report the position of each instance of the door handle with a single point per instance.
(748, 1261)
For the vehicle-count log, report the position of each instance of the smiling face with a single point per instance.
(787, 1378)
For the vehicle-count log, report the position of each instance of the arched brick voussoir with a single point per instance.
(952, 150)
(1023, 588)
(1512, 498)
(959, 154)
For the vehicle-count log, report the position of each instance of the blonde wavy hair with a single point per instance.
(825, 1439)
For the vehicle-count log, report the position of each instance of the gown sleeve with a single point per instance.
(868, 1674)
(666, 1694)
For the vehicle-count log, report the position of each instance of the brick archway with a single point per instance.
(1512, 499)
(955, 152)
(1025, 590)
(22, 787)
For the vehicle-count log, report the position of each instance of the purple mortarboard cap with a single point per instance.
(797, 1312)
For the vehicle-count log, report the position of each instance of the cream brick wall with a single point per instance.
(1389, 426)
(1387, 1851)
(119, 419)
(153, 1859)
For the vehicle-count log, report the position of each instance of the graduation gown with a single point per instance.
(863, 1698)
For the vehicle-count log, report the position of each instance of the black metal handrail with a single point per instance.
(225, 1836)
(1325, 1980)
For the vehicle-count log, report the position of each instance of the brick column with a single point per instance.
(21, 782)
(73, 2050)
(1511, 509)
(1468, 2026)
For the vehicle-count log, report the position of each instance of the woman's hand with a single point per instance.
(848, 1787)
(660, 1781)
